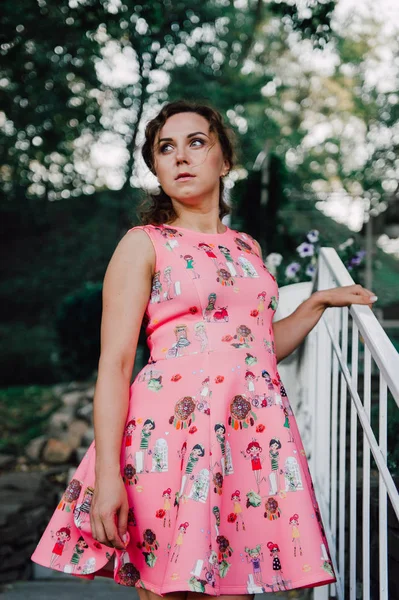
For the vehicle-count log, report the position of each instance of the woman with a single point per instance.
(188, 148)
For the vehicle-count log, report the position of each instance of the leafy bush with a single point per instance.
(24, 413)
(78, 326)
(28, 354)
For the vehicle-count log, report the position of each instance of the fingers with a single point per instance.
(111, 532)
(363, 295)
(104, 530)
(122, 519)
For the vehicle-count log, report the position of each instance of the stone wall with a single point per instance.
(31, 484)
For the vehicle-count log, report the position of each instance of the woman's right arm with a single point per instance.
(126, 290)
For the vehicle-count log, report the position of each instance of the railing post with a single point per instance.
(321, 426)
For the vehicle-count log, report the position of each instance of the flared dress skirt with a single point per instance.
(221, 500)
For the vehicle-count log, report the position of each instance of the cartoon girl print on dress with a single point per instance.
(179, 541)
(237, 509)
(274, 476)
(156, 288)
(144, 452)
(205, 394)
(250, 379)
(255, 557)
(230, 263)
(82, 511)
(181, 343)
(260, 308)
(190, 262)
(277, 569)
(172, 289)
(197, 451)
(216, 514)
(296, 536)
(287, 424)
(209, 308)
(77, 554)
(201, 335)
(253, 453)
(130, 428)
(62, 536)
(209, 252)
(225, 450)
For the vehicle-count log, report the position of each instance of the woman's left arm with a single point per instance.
(292, 330)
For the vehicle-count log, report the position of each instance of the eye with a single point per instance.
(202, 142)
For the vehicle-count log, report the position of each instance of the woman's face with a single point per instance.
(185, 145)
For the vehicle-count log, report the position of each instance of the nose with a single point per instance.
(181, 155)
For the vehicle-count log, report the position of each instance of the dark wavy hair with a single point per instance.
(158, 208)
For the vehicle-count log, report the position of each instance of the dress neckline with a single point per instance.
(196, 232)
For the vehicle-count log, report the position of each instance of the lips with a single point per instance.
(184, 175)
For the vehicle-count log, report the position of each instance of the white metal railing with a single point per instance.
(331, 354)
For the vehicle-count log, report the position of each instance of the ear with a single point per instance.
(226, 168)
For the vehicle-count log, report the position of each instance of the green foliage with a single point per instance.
(78, 326)
(313, 22)
(52, 93)
(24, 413)
(392, 433)
(28, 354)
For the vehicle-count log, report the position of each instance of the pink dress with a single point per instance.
(201, 443)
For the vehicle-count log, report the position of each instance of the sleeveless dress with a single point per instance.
(219, 489)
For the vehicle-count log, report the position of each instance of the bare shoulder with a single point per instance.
(136, 248)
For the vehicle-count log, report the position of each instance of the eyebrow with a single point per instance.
(190, 135)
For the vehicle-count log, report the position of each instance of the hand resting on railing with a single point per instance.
(290, 332)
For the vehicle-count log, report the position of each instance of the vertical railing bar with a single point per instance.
(353, 467)
(382, 500)
(342, 448)
(366, 480)
(334, 434)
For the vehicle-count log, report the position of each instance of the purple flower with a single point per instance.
(313, 236)
(310, 271)
(357, 259)
(305, 250)
(292, 270)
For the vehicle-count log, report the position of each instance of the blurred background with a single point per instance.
(310, 88)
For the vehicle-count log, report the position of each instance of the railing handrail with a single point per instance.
(381, 347)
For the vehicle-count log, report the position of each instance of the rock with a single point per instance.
(86, 412)
(88, 436)
(6, 460)
(75, 433)
(57, 451)
(20, 482)
(71, 398)
(34, 448)
(60, 420)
